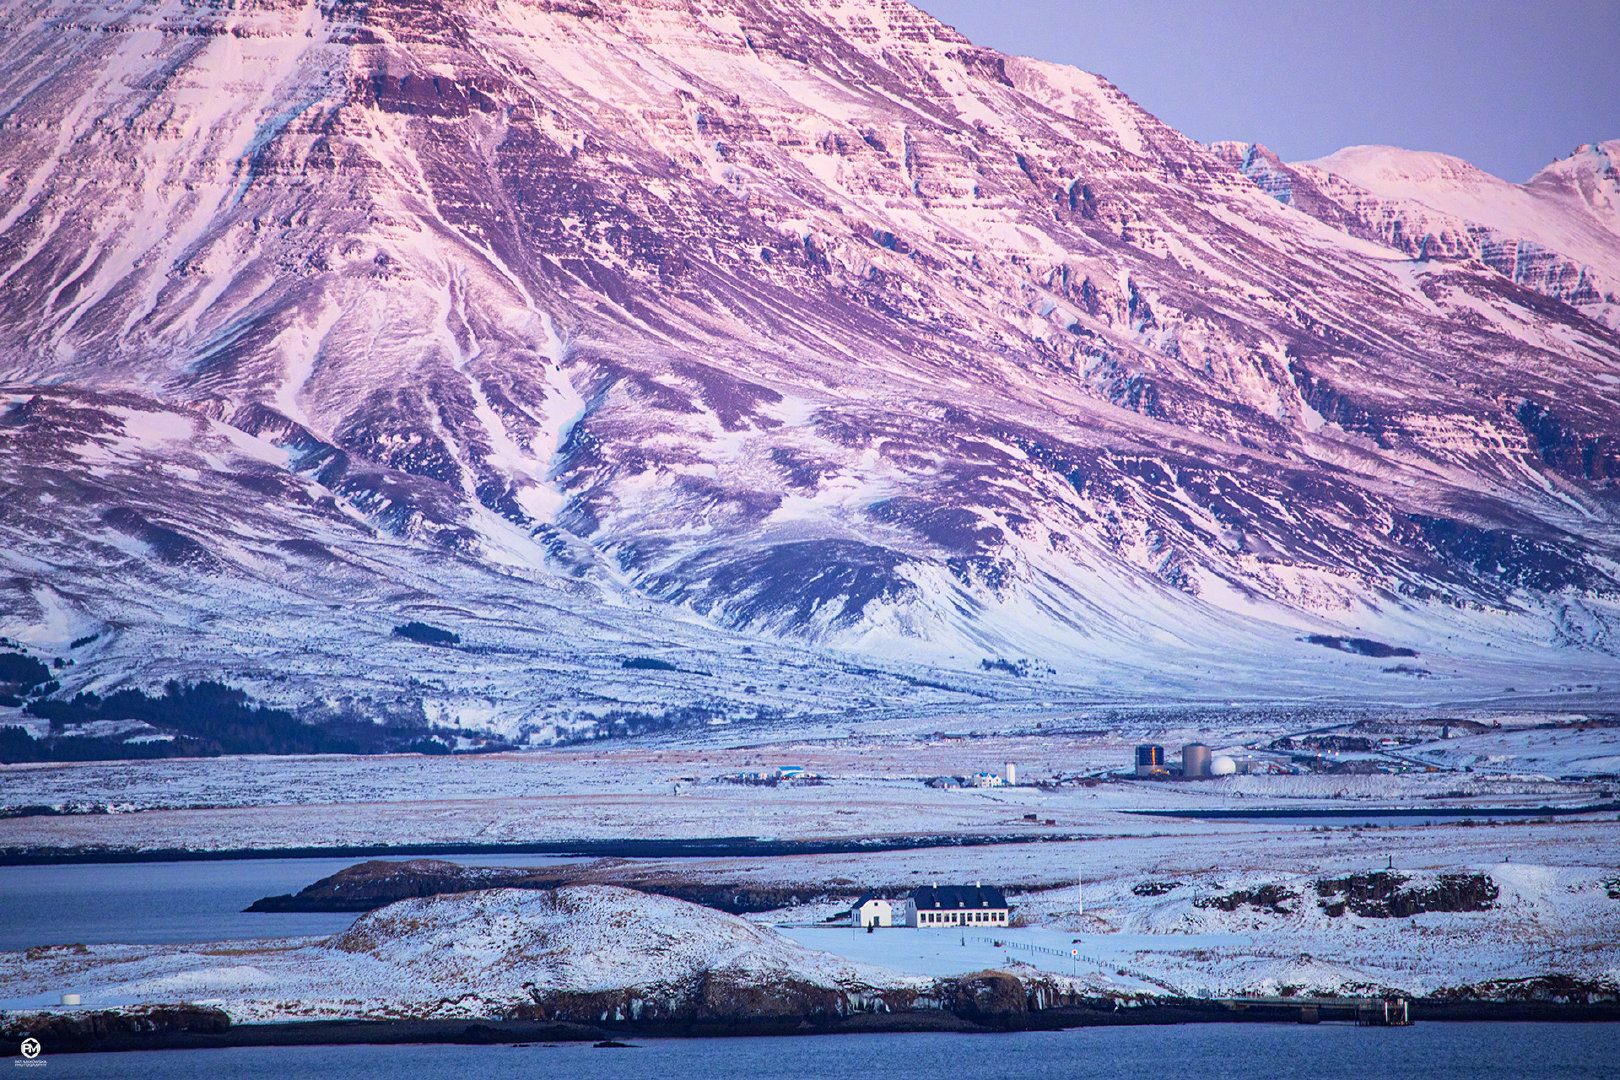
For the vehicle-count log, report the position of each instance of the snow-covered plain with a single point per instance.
(1134, 893)
(1551, 917)
(868, 784)
(479, 954)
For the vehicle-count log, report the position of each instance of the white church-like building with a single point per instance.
(934, 906)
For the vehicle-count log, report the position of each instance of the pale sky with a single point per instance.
(1506, 85)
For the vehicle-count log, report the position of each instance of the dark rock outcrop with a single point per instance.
(371, 885)
(115, 1028)
(1383, 895)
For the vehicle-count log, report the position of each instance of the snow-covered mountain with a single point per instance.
(1559, 234)
(803, 346)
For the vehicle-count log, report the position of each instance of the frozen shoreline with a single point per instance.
(208, 1034)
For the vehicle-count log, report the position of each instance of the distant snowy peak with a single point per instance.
(1590, 177)
(1599, 159)
(1378, 168)
(1558, 234)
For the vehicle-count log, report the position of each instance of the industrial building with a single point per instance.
(1197, 762)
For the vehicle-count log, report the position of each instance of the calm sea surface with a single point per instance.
(1193, 1052)
(148, 903)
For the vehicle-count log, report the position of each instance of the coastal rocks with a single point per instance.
(114, 1028)
(731, 999)
(378, 883)
(993, 997)
(1553, 989)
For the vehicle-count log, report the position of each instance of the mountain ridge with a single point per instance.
(810, 326)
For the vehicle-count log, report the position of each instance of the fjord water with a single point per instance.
(167, 902)
(1432, 1051)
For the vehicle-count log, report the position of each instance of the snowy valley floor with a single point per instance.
(1477, 906)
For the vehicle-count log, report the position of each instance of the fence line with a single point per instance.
(1003, 943)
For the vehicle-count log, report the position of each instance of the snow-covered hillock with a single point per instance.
(585, 939)
(1432, 932)
(587, 953)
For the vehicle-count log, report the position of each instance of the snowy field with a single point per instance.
(867, 785)
(1546, 918)
(1174, 905)
(488, 953)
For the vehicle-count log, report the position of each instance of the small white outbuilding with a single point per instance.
(872, 910)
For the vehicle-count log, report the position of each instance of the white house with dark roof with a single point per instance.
(959, 905)
(873, 910)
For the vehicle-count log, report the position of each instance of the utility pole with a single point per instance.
(1079, 894)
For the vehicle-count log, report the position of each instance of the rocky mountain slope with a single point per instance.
(1558, 235)
(805, 348)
